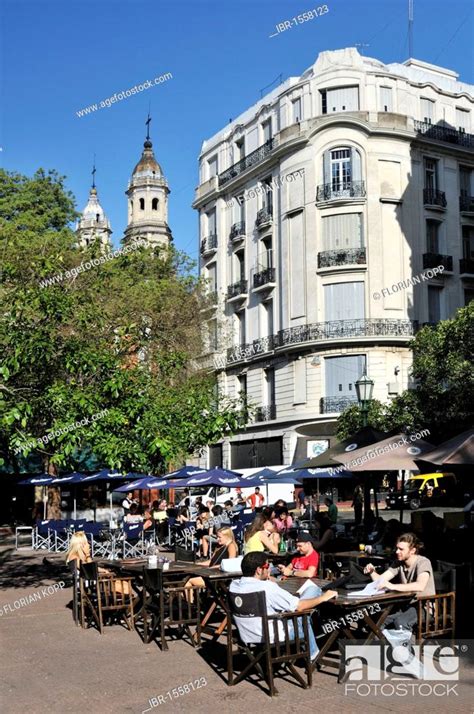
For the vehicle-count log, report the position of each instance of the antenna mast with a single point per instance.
(410, 29)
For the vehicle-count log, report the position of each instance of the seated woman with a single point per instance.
(261, 535)
(80, 552)
(183, 515)
(133, 516)
(202, 530)
(326, 534)
(227, 548)
(283, 521)
(160, 518)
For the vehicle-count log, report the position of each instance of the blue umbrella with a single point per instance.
(185, 471)
(143, 484)
(215, 477)
(39, 480)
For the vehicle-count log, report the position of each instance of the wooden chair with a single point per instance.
(102, 595)
(274, 648)
(436, 616)
(168, 607)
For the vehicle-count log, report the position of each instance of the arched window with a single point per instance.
(342, 170)
(142, 204)
(154, 204)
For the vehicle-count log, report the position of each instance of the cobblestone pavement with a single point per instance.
(50, 666)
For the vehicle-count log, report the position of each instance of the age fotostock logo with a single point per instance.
(384, 670)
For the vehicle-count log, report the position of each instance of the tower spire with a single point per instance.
(148, 121)
(93, 173)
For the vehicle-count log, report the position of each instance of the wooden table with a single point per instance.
(358, 555)
(343, 610)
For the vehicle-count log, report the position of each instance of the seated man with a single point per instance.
(306, 564)
(255, 574)
(413, 572)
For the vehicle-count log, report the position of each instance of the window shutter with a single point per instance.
(356, 165)
(327, 167)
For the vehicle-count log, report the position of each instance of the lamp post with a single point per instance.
(364, 388)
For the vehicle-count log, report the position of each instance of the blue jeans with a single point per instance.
(309, 594)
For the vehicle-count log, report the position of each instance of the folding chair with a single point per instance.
(280, 643)
(133, 543)
(61, 535)
(100, 539)
(168, 607)
(104, 595)
(44, 538)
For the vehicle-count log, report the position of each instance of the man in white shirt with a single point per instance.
(127, 502)
(255, 571)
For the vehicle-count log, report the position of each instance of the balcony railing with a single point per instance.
(237, 231)
(434, 260)
(263, 345)
(344, 189)
(329, 258)
(264, 216)
(265, 413)
(433, 197)
(335, 405)
(253, 158)
(240, 353)
(466, 204)
(444, 133)
(237, 289)
(466, 265)
(342, 329)
(264, 277)
(209, 244)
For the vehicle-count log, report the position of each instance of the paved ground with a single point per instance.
(48, 665)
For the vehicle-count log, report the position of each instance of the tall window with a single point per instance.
(434, 303)
(386, 99)
(267, 130)
(241, 332)
(239, 266)
(341, 375)
(268, 318)
(432, 236)
(154, 204)
(212, 335)
(431, 173)
(465, 179)
(427, 110)
(242, 385)
(239, 150)
(142, 204)
(212, 167)
(342, 170)
(468, 242)
(267, 196)
(343, 230)
(463, 120)
(211, 223)
(269, 386)
(342, 99)
(212, 277)
(341, 173)
(266, 256)
(296, 112)
(344, 301)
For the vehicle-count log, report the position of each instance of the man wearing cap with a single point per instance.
(305, 565)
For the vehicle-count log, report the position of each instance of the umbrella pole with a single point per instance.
(376, 504)
(402, 492)
(318, 498)
(45, 501)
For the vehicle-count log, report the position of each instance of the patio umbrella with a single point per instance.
(458, 451)
(397, 452)
(108, 475)
(39, 480)
(185, 471)
(215, 477)
(330, 457)
(73, 478)
(144, 484)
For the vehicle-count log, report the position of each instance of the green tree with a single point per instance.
(442, 369)
(121, 337)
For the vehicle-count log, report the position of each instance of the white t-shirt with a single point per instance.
(278, 600)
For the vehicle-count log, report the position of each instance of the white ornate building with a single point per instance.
(315, 205)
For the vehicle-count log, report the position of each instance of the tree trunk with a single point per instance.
(54, 494)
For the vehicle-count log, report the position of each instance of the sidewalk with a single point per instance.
(50, 666)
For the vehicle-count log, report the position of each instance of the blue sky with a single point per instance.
(60, 56)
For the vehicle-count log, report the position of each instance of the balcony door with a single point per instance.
(342, 169)
(344, 301)
(341, 375)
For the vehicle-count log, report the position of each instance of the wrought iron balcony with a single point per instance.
(266, 412)
(263, 345)
(264, 277)
(466, 204)
(340, 190)
(342, 329)
(466, 265)
(434, 260)
(347, 256)
(253, 158)
(444, 133)
(237, 231)
(209, 244)
(335, 405)
(433, 197)
(264, 217)
(238, 289)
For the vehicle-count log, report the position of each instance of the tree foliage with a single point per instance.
(122, 337)
(443, 371)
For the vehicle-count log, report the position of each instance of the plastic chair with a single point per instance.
(133, 543)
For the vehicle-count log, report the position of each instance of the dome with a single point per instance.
(148, 165)
(93, 212)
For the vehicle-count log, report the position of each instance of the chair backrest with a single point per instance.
(89, 571)
(43, 527)
(132, 530)
(153, 579)
(92, 528)
(249, 606)
(180, 553)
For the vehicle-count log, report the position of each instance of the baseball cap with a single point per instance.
(304, 537)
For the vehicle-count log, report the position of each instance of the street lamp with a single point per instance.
(364, 388)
